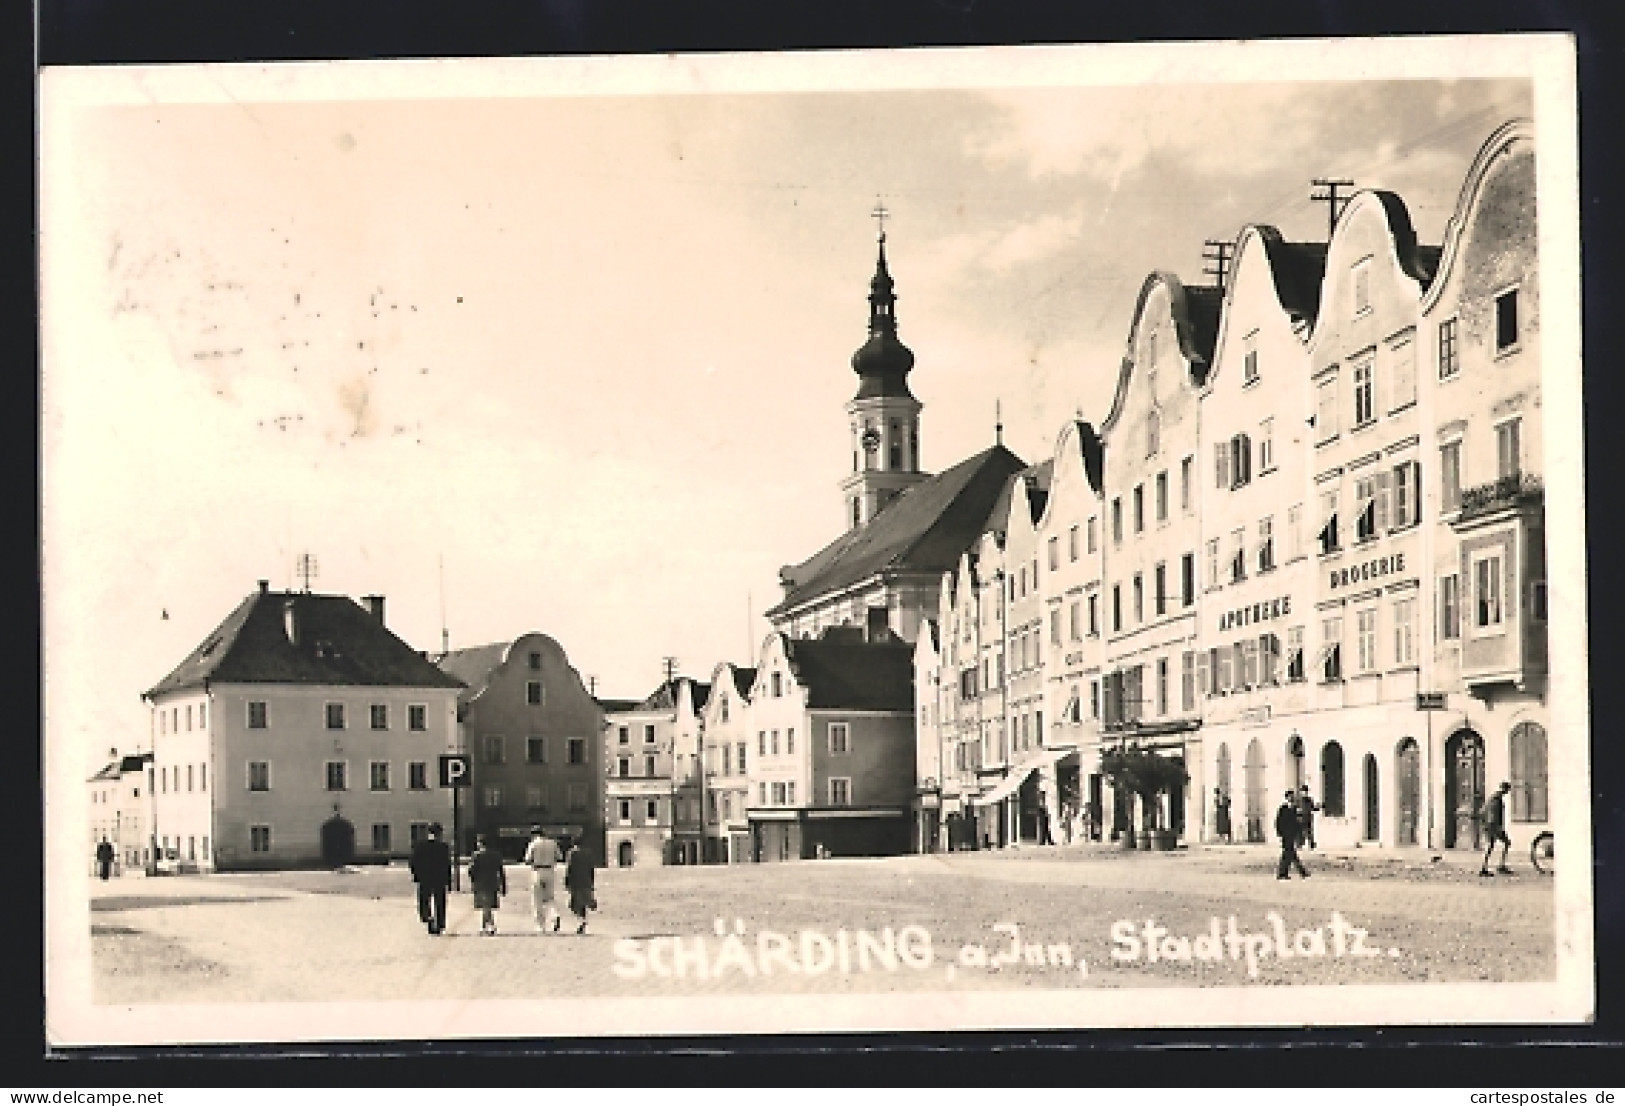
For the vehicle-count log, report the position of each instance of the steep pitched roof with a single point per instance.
(134, 762)
(840, 673)
(1298, 268)
(617, 706)
(340, 643)
(664, 697)
(474, 665)
(107, 772)
(924, 529)
(744, 680)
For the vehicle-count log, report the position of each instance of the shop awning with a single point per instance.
(1018, 775)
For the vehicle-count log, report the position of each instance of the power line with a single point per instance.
(1331, 199)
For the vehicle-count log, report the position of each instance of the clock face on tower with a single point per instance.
(871, 440)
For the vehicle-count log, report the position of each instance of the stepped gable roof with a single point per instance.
(474, 665)
(340, 643)
(924, 529)
(841, 673)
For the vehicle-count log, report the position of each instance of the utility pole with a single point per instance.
(1216, 256)
(669, 666)
(305, 568)
(1334, 203)
(592, 686)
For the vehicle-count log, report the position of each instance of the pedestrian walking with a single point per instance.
(489, 881)
(1306, 816)
(1288, 830)
(1221, 815)
(541, 856)
(1495, 818)
(1044, 836)
(104, 858)
(578, 876)
(431, 871)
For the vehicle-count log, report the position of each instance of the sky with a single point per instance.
(577, 362)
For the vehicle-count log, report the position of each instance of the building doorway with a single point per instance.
(1372, 827)
(1252, 768)
(1463, 789)
(1097, 798)
(1408, 782)
(623, 855)
(338, 842)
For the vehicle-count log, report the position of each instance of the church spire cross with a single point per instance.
(880, 215)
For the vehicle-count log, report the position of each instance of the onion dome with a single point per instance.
(882, 362)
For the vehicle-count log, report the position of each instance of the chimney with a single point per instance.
(290, 620)
(375, 604)
(265, 586)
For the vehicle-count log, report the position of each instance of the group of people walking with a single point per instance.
(488, 880)
(1295, 826)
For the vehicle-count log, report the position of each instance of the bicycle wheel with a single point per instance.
(1541, 853)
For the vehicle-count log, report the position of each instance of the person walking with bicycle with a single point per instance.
(1495, 813)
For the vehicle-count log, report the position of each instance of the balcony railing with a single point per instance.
(1513, 490)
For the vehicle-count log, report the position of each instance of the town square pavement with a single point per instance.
(1041, 917)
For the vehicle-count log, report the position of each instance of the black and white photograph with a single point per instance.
(1079, 536)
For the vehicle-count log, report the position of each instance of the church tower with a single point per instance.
(884, 417)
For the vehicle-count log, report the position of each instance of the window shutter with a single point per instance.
(1384, 495)
(1203, 678)
(1221, 462)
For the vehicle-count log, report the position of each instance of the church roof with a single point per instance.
(841, 673)
(925, 529)
(339, 643)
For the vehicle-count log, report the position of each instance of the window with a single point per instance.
(840, 791)
(1072, 543)
(189, 777)
(203, 724)
(790, 793)
(1153, 432)
(1294, 654)
(1117, 607)
(739, 757)
(1449, 356)
(337, 775)
(1269, 659)
(1366, 639)
(378, 775)
(491, 750)
(417, 775)
(1365, 407)
(1223, 661)
(576, 750)
(1365, 518)
(535, 660)
(335, 716)
(1238, 555)
(623, 767)
(777, 680)
(1117, 520)
(1094, 615)
(1528, 748)
(1508, 452)
(1213, 562)
(1407, 485)
(648, 735)
(1449, 607)
(417, 717)
(1187, 681)
(1326, 409)
(1241, 460)
(1160, 593)
(1139, 598)
(1404, 632)
(790, 740)
(378, 716)
(1331, 665)
(1249, 361)
(1075, 621)
(535, 798)
(1185, 467)
(535, 750)
(1487, 593)
(1450, 476)
(188, 716)
(259, 716)
(577, 797)
(1162, 685)
(773, 742)
(380, 837)
(1187, 579)
(1139, 508)
(1266, 445)
(840, 738)
(651, 810)
(1054, 553)
(761, 794)
(1222, 457)
(1506, 320)
(1162, 496)
(1332, 799)
(259, 839)
(259, 775)
(1328, 515)
(1266, 543)
(1362, 286)
(623, 811)
(1403, 374)
(649, 765)
(533, 692)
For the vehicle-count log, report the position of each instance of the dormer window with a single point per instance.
(1362, 286)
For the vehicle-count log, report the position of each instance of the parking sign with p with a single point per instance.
(454, 770)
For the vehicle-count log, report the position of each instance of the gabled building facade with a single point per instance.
(121, 810)
(535, 737)
(726, 763)
(654, 785)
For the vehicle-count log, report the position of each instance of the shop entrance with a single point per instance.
(338, 842)
(1464, 789)
(623, 855)
(1408, 777)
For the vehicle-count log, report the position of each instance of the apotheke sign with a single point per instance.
(1256, 612)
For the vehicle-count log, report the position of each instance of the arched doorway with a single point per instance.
(1222, 785)
(338, 842)
(1528, 758)
(1408, 785)
(623, 855)
(1373, 819)
(1463, 788)
(1253, 782)
(1294, 762)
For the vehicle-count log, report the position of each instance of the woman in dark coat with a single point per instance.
(578, 875)
(490, 883)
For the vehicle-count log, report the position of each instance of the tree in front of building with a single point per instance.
(1148, 776)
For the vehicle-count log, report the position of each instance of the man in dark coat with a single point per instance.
(431, 871)
(104, 858)
(1306, 816)
(578, 880)
(1495, 828)
(1287, 829)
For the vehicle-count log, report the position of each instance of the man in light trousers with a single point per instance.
(541, 856)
